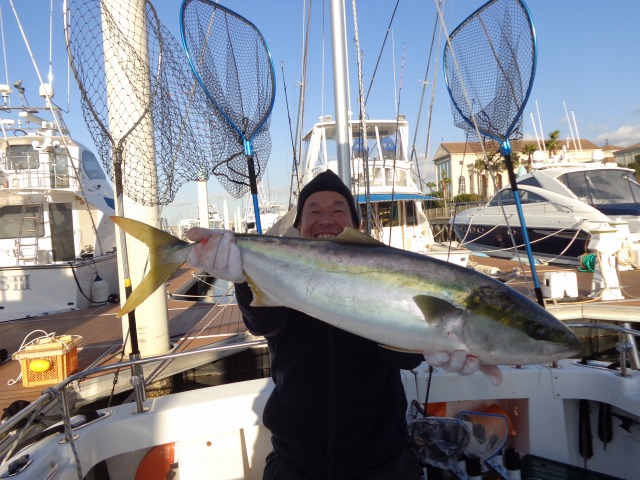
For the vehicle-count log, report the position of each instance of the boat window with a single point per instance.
(400, 177)
(533, 181)
(359, 149)
(505, 197)
(91, 166)
(387, 213)
(11, 221)
(598, 187)
(388, 148)
(61, 216)
(59, 169)
(22, 157)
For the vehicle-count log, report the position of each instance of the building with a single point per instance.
(625, 156)
(459, 169)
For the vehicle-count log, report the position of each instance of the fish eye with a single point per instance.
(537, 331)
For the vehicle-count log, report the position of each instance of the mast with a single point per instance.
(150, 319)
(341, 87)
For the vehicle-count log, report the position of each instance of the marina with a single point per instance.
(182, 393)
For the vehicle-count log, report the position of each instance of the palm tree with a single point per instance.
(552, 143)
(528, 149)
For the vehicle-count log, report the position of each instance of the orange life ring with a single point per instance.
(157, 462)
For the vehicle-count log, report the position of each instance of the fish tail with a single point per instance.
(159, 269)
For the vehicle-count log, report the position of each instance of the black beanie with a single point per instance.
(327, 181)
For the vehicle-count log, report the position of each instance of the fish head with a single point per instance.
(503, 327)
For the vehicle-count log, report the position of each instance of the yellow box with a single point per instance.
(60, 356)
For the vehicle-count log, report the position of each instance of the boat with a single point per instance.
(383, 182)
(563, 202)
(57, 242)
(549, 416)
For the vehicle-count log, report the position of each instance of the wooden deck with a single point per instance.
(192, 324)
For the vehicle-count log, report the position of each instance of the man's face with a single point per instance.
(324, 215)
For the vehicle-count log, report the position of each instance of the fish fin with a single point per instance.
(158, 274)
(260, 299)
(351, 235)
(150, 236)
(493, 373)
(434, 309)
(401, 350)
(159, 270)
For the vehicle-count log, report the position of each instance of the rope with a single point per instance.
(587, 262)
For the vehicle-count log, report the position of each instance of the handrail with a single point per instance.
(52, 393)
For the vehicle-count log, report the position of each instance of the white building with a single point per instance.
(458, 163)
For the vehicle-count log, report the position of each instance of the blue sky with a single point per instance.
(588, 57)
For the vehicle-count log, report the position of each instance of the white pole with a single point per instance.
(535, 130)
(203, 203)
(341, 87)
(225, 214)
(540, 122)
(123, 106)
(577, 134)
(570, 128)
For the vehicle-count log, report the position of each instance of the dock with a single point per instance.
(192, 324)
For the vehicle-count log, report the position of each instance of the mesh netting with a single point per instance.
(494, 50)
(234, 66)
(188, 139)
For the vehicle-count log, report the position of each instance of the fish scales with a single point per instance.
(399, 299)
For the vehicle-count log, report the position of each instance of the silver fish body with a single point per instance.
(402, 300)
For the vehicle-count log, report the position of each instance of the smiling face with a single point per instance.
(324, 215)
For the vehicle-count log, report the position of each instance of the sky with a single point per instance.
(588, 58)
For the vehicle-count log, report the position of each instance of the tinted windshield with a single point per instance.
(603, 186)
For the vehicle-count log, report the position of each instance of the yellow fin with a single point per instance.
(353, 236)
(434, 309)
(158, 274)
(401, 350)
(150, 236)
(260, 299)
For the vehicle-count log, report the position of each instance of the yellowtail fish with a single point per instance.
(402, 300)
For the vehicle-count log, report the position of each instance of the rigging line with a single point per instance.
(295, 172)
(4, 48)
(381, 50)
(395, 153)
(424, 87)
(363, 125)
(303, 83)
(434, 83)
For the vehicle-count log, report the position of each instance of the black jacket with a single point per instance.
(338, 408)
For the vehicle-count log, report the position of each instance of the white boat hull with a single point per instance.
(36, 290)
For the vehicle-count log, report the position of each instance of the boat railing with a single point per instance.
(31, 170)
(59, 392)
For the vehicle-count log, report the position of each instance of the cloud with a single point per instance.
(624, 136)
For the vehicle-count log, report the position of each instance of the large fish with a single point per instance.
(397, 298)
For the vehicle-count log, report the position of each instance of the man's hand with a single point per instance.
(462, 363)
(216, 253)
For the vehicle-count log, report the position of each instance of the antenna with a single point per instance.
(577, 134)
(575, 147)
(535, 130)
(540, 122)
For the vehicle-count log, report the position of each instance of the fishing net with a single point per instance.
(494, 52)
(188, 139)
(230, 59)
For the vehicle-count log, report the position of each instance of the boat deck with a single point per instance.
(626, 309)
(192, 324)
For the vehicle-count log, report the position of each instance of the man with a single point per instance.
(338, 407)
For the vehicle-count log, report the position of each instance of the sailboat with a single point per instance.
(550, 412)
